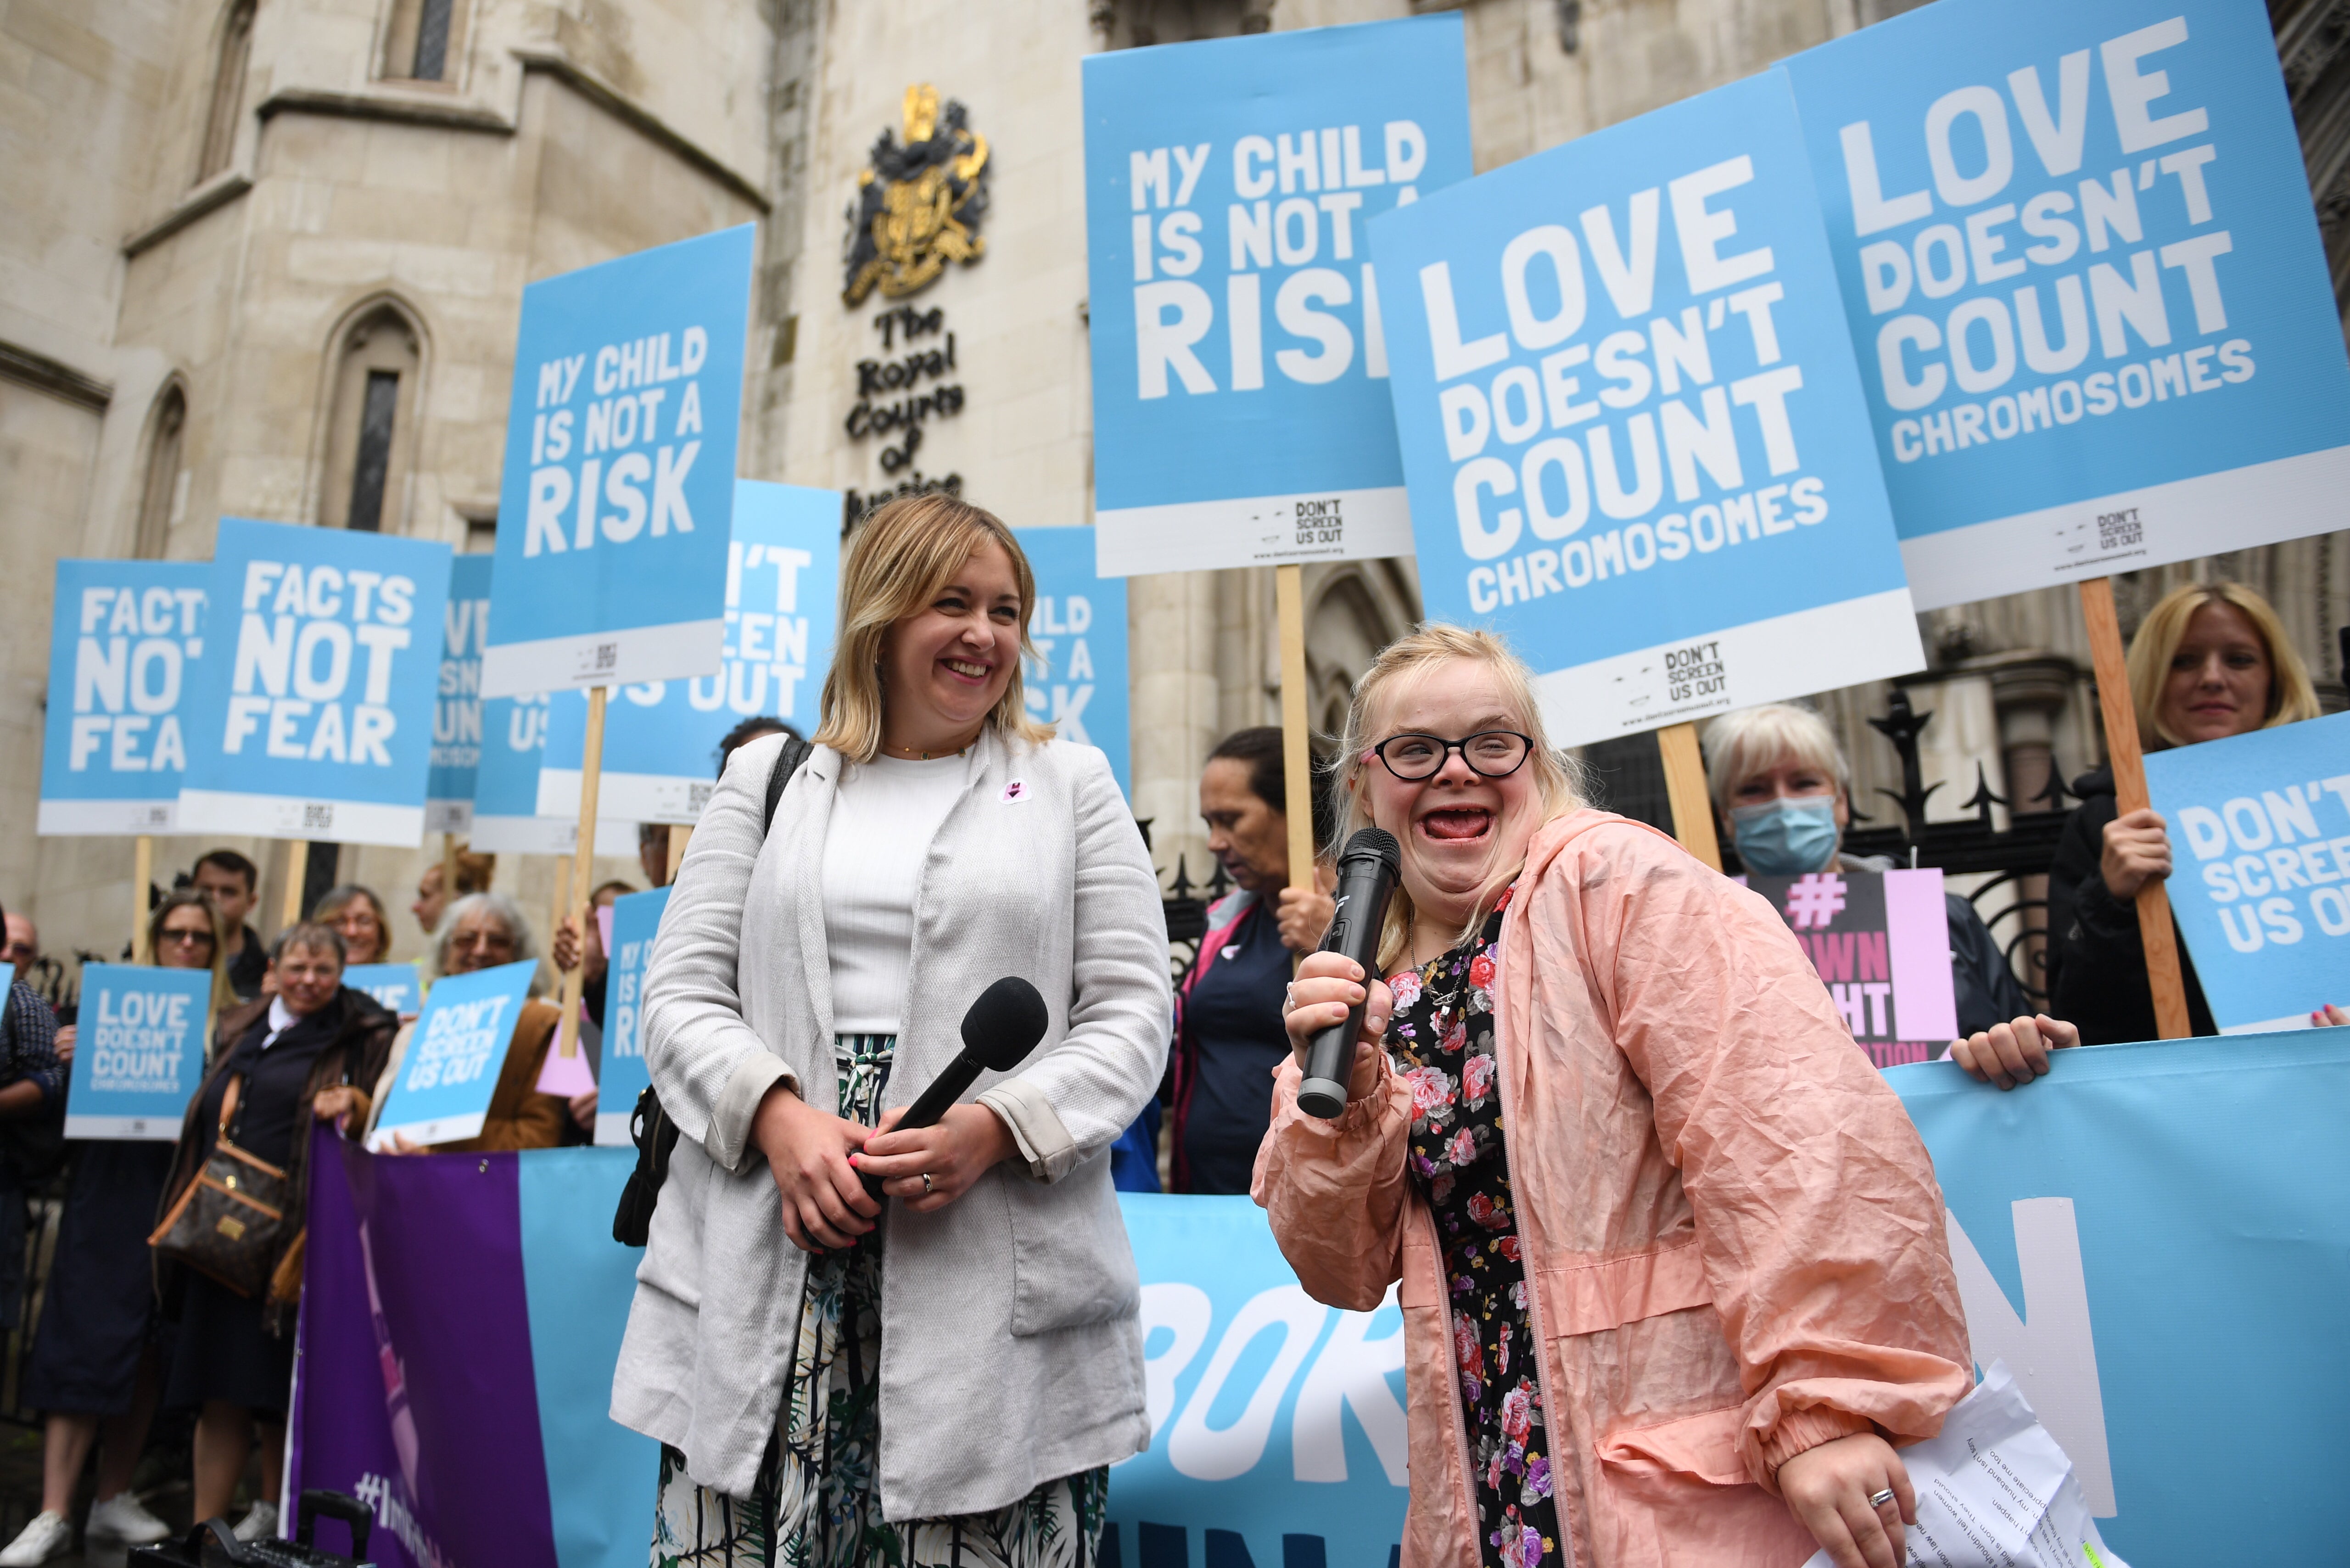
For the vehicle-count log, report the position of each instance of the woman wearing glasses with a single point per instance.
(95, 1368)
(1671, 1254)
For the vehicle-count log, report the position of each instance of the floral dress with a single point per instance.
(818, 1500)
(1441, 1042)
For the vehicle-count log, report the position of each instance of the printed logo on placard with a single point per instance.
(697, 795)
(607, 655)
(1318, 521)
(2120, 530)
(317, 816)
(1694, 673)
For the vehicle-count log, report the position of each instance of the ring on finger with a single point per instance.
(1879, 1499)
(926, 1184)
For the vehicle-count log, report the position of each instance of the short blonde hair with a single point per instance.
(1558, 777)
(2292, 697)
(903, 553)
(1740, 745)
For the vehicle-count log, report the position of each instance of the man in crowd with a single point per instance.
(24, 943)
(231, 885)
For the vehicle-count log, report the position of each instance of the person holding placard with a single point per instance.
(2210, 661)
(358, 915)
(1671, 1256)
(95, 1372)
(811, 972)
(234, 1356)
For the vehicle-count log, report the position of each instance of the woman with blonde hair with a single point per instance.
(358, 915)
(1669, 1255)
(946, 1375)
(2210, 661)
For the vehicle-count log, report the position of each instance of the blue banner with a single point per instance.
(2085, 284)
(457, 715)
(661, 737)
(313, 719)
(636, 921)
(139, 1052)
(1241, 410)
(2260, 847)
(1077, 682)
(1632, 425)
(454, 1054)
(619, 470)
(124, 640)
(397, 986)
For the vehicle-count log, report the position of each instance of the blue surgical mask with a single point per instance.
(1785, 837)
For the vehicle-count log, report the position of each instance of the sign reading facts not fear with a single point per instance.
(1632, 425)
(2085, 284)
(1241, 410)
(619, 470)
(312, 718)
(124, 640)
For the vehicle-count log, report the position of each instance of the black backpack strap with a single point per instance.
(788, 758)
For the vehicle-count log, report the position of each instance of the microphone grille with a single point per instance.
(1004, 1025)
(1375, 843)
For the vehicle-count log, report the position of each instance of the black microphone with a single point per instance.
(1367, 879)
(1001, 1027)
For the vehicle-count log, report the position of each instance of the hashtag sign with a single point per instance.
(1814, 901)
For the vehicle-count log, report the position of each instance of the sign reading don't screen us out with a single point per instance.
(141, 1050)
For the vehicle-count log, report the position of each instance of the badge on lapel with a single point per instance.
(1015, 793)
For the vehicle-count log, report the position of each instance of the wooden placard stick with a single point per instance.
(680, 834)
(448, 869)
(298, 871)
(1296, 755)
(1693, 804)
(591, 778)
(2121, 714)
(143, 880)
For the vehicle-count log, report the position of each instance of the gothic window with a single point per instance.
(422, 43)
(158, 494)
(227, 103)
(371, 437)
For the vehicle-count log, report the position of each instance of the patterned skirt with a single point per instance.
(818, 1500)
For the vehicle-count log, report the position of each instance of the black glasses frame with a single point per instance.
(1445, 756)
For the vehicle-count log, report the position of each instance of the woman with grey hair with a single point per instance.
(480, 930)
(1784, 791)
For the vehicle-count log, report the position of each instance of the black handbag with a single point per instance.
(649, 1127)
(230, 1221)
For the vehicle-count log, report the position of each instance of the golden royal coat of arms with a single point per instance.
(919, 206)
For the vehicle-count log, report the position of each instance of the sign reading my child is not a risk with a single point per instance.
(1078, 681)
(457, 712)
(1632, 425)
(2260, 843)
(661, 737)
(124, 640)
(619, 470)
(2086, 283)
(1240, 371)
(636, 921)
(313, 716)
(140, 1051)
(454, 1055)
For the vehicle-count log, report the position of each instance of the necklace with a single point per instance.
(910, 754)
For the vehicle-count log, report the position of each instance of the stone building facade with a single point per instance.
(264, 257)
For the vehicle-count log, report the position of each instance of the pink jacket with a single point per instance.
(1735, 1236)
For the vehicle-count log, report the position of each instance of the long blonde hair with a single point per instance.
(1558, 777)
(904, 553)
(223, 995)
(2292, 697)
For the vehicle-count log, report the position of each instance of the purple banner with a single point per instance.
(416, 1392)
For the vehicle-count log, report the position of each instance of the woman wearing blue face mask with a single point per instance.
(1783, 792)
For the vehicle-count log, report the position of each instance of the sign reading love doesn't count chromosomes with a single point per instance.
(141, 1050)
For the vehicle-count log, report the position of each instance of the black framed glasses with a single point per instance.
(1492, 753)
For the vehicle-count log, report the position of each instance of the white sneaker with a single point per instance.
(122, 1518)
(49, 1535)
(258, 1526)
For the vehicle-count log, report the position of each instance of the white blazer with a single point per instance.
(1011, 1345)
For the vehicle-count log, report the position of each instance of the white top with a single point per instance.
(887, 812)
(281, 1019)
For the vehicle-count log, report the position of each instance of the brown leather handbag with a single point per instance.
(230, 1222)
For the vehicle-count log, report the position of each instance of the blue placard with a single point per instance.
(1239, 369)
(505, 818)
(636, 921)
(456, 1052)
(138, 1052)
(660, 737)
(1077, 682)
(2259, 850)
(313, 718)
(619, 470)
(2085, 283)
(125, 640)
(396, 986)
(457, 712)
(1632, 425)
